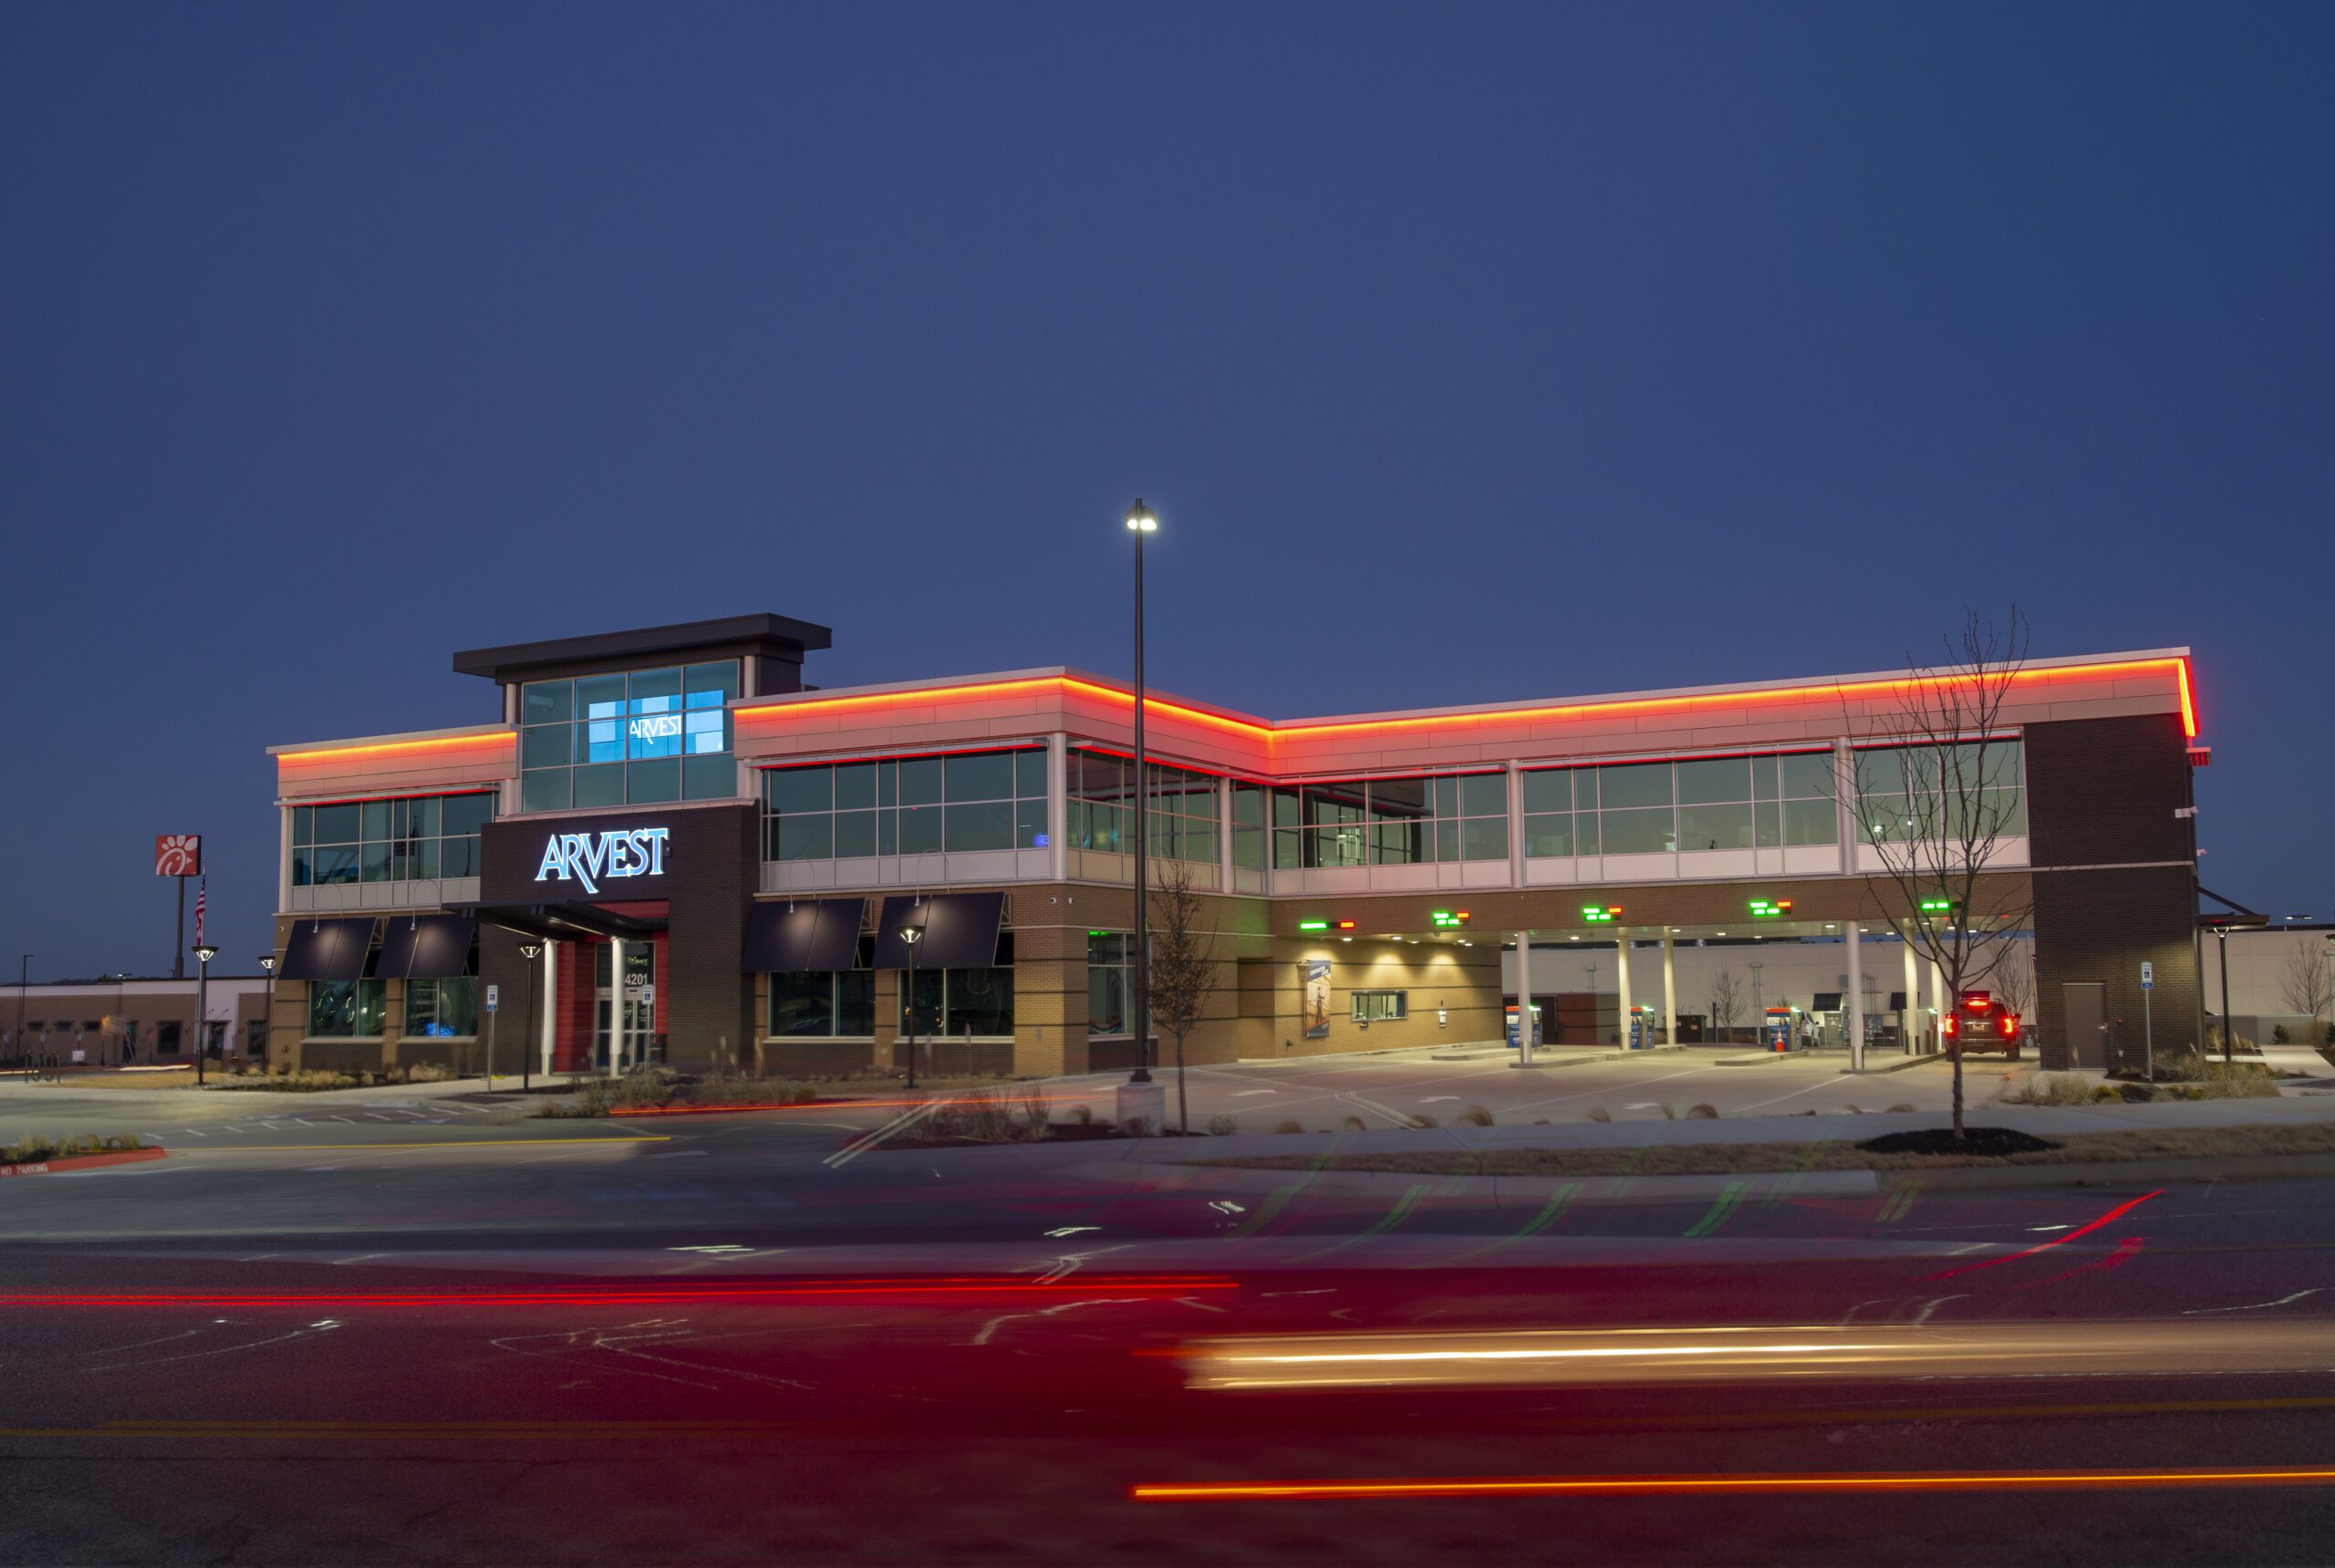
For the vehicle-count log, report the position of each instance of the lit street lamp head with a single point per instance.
(206, 953)
(267, 963)
(912, 934)
(1140, 520)
(529, 950)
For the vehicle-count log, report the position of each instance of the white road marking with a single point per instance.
(1438, 1099)
(1244, 1094)
(2256, 1306)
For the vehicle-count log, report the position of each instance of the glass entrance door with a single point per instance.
(639, 1003)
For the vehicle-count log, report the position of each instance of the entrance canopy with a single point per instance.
(564, 922)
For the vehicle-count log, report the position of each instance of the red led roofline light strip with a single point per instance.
(1302, 729)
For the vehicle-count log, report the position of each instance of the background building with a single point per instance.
(701, 851)
(109, 1021)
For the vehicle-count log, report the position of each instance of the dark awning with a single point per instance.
(327, 948)
(563, 922)
(959, 930)
(426, 946)
(817, 937)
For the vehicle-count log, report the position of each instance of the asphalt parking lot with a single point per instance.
(1326, 1094)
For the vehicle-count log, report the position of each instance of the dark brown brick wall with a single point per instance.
(2103, 791)
(2100, 926)
(711, 860)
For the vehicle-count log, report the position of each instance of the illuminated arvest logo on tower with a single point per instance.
(588, 856)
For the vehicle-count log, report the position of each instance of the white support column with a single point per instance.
(1224, 835)
(1939, 998)
(1515, 826)
(1622, 978)
(616, 1005)
(1856, 999)
(550, 1003)
(1524, 998)
(1909, 1017)
(1057, 808)
(1669, 991)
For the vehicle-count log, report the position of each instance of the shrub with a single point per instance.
(1476, 1116)
(2279, 1035)
(39, 1146)
(1706, 1113)
(2052, 1089)
(1290, 1126)
(1423, 1122)
(1353, 1124)
(1600, 1114)
(1083, 1115)
(1900, 1108)
(1222, 1125)
(1671, 1115)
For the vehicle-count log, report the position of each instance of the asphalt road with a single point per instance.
(726, 1338)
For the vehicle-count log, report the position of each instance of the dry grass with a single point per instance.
(1473, 1117)
(993, 1115)
(1732, 1159)
(177, 1078)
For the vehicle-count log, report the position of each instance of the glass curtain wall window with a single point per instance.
(1968, 790)
(633, 737)
(1183, 814)
(1700, 803)
(960, 1002)
(417, 839)
(1379, 1006)
(914, 805)
(442, 1008)
(344, 1009)
(1442, 817)
(826, 1004)
(1110, 983)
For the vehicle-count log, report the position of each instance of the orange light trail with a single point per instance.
(1271, 733)
(1688, 1485)
(383, 748)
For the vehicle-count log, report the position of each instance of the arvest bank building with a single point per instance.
(661, 844)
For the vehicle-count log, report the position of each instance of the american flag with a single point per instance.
(201, 890)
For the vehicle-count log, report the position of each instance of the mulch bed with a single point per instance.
(1989, 1143)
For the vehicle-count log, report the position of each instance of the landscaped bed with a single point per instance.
(37, 1153)
(1739, 1158)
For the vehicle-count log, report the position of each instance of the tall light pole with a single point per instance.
(121, 979)
(2224, 935)
(203, 957)
(911, 933)
(268, 1030)
(528, 950)
(1140, 521)
(24, 963)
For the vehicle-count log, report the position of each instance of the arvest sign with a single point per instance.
(589, 859)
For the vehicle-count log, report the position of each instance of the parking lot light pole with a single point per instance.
(268, 1030)
(528, 950)
(912, 934)
(203, 957)
(1140, 521)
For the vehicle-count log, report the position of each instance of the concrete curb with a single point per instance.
(1894, 1066)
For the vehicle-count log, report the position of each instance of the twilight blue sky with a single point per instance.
(1466, 352)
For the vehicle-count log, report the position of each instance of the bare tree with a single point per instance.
(2304, 980)
(1183, 968)
(1937, 791)
(1727, 1000)
(2014, 982)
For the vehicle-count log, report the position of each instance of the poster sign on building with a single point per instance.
(178, 855)
(1317, 999)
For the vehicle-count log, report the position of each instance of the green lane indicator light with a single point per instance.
(1093, 933)
(1447, 919)
(1313, 924)
(1601, 913)
(1770, 909)
(1941, 907)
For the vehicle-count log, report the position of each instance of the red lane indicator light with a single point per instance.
(940, 1288)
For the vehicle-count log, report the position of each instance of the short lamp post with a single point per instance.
(268, 1030)
(912, 934)
(530, 951)
(203, 953)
